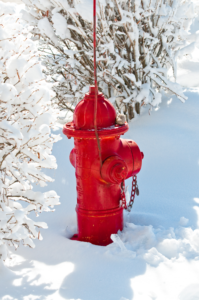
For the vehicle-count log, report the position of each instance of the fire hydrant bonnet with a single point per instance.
(83, 114)
(83, 118)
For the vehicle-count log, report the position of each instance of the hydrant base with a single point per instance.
(75, 237)
(96, 227)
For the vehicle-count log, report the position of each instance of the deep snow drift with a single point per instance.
(157, 254)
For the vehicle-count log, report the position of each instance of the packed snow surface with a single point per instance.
(156, 257)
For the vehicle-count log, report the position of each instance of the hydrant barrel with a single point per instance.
(99, 213)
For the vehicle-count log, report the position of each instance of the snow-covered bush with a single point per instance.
(138, 43)
(26, 119)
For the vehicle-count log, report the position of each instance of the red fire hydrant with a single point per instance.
(99, 208)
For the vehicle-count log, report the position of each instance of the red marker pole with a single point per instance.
(94, 43)
(95, 79)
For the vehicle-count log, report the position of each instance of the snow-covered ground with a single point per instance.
(157, 256)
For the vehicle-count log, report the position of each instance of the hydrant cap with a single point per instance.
(84, 112)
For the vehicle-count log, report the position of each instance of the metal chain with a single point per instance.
(123, 196)
(134, 191)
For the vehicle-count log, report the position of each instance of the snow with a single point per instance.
(187, 74)
(46, 28)
(85, 8)
(157, 254)
(60, 25)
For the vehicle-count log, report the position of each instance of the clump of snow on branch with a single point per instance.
(138, 42)
(26, 120)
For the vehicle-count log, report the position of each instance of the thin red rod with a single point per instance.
(95, 78)
(94, 44)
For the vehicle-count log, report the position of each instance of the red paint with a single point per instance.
(99, 188)
(95, 79)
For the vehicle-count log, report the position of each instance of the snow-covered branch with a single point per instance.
(132, 37)
(26, 120)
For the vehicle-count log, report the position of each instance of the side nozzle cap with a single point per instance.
(114, 170)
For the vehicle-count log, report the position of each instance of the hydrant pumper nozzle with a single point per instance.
(99, 213)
